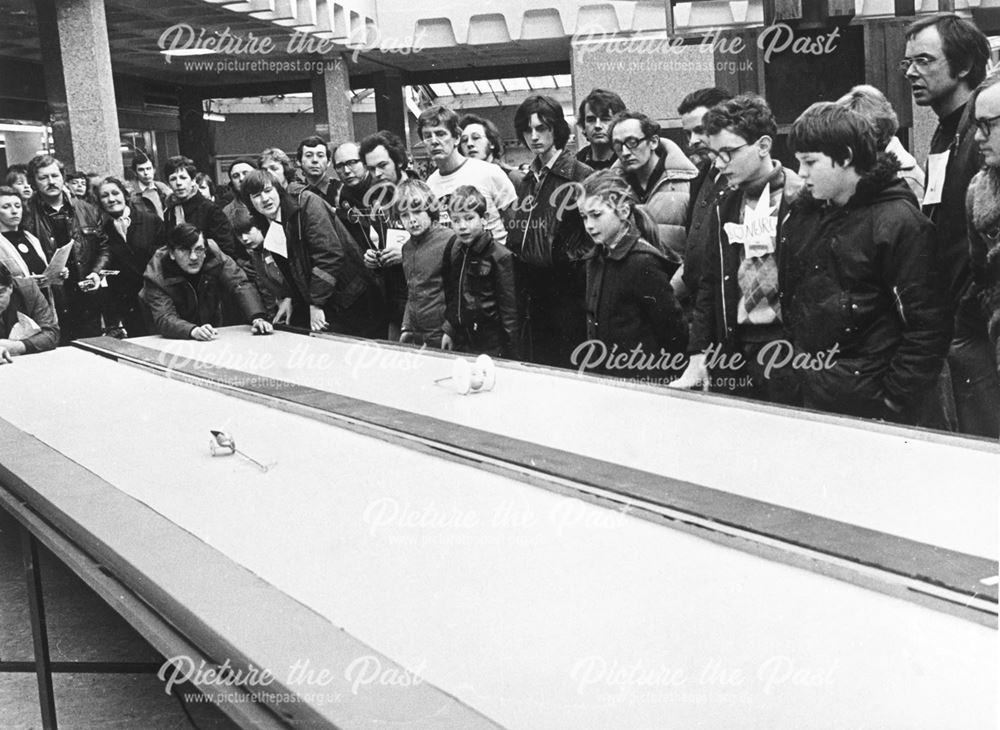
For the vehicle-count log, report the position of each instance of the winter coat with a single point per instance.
(324, 268)
(130, 257)
(90, 245)
(630, 304)
(667, 195)
(548, 238)
(983, 208)
(177, 308)
(422, 264)
(957, 134)
(862, 278)
(480, 296)
(208, 218)
(28, 299)
(715, 313)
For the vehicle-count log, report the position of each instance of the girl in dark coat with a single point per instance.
(635, 326)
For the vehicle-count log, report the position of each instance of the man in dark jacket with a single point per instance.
(983, 209)
(706, 189)
(548, 238)
(945, 60)
(738, 313)
(597, 110)
(861, 295)
(185, 283)
(55, 219)
(23, 297)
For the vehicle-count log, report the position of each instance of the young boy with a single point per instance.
(481, 301)
(423, 254)
(268, 278)
(858, 275)
(737, 314)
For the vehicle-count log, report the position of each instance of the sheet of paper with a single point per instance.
(937, 165)
(53, 272)
(395, 238)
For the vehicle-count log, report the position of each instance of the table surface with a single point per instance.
(823, 465)
(534, 609)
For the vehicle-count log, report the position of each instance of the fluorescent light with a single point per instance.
(188, 52)
(213, 117)
(30, 128)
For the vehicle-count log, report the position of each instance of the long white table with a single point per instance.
(440, 592)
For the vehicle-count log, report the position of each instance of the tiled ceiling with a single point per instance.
(134, 27)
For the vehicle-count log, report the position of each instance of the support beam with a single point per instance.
(331, 102)
(79, 88)
(197, 139)
(390, 106)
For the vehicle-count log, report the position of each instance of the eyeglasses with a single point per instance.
(726, 155)
(631, 143)
(985, 125)
(921, 62)
(193, 252)
(345, 164)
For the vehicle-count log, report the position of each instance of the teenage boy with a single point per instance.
(596, 111)
(481, 301)
(150, 192)
(185, 283)
(548, 237)
(188, 205)
(738, 313)
(859, 288)
(439, 130)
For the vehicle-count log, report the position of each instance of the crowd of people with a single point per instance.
(863, 284)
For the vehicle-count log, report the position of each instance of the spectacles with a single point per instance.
(985, 124)
(193, 252)
(921, 62)
(345, 164)
(726, 155)
(631, 143)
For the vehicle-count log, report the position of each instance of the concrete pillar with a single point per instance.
(331, 103)
(390, 106)
(73, 35)
(196, 138)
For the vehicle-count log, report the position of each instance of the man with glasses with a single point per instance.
(738, 311)
(706, 189)
(355, 182)
(983, 206)
(945, 60)
(55, 219)
(185, 283)
(658, 173)
(597, 110)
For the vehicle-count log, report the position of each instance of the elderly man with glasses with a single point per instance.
(738, 313)
(945, 60)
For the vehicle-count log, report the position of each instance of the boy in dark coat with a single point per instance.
(861, 294)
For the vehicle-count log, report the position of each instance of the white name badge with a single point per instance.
(937, 165)
(759, 228)
(396, 237)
